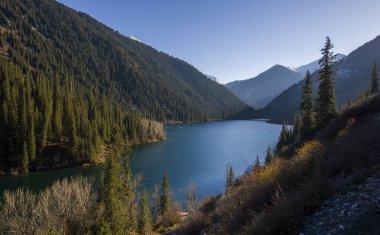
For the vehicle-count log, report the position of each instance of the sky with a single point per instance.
(238, 39)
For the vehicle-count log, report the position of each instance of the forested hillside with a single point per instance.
(352, 77)
(48, 37)
(70, 87)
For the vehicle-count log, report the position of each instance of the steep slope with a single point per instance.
(352, 77)
(56, 40)
(262, 89)
(314, 66)
(275, 197)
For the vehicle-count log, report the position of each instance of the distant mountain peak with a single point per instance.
(262, 89)
(314, 66)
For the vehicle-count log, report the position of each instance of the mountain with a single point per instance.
(352, 77)
(56, 39)
(314, 66)
(73, 88)
(262, 89)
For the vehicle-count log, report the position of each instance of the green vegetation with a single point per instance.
(48, 38)
(274, 198)
(50, 122)
(165, 195)
(326, 107)
(307, 109)
(230, 178)
(117, 198)
(78, 206)
(309, 165)
(145, 219)
(69, 83)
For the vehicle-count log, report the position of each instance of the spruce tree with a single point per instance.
(307, 108)
(230, 178)
(257, 164)
(374, 79)
(165, 194)
(117, 207)
(296, 134)
(25, 159)
(269, 156)
(326, 107)
(145, 218)
(284, 137)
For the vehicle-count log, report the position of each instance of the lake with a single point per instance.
(194, 152)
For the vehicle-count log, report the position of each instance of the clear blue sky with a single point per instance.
(238, 39)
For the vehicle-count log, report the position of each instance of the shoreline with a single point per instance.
(99, 161)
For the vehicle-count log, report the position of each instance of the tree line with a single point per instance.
(56, 121)
(117, 205)
(50, 38)
(314, 115)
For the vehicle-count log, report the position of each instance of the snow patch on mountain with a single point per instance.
(314, 66)
(135, 39)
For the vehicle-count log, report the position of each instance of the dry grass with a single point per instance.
(67, 207)
(275, 198)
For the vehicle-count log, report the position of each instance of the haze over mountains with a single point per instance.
(314, 66)
(259, 91)
(352, 77)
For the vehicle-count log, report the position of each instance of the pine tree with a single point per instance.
(296, 134)
(57, 109)
(145, 218)
(129, 196)
(326, 107)
(269, 156)
(284, 137)
(307, 109)
(257, 164)
(116, 217)
(374, 79)
(230, 178)
(165, 194)
(30, 138)
(25, 159)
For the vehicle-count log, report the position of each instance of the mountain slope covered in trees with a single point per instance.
(352, 77)
(71, 87)
(48, 37)
(260, 90)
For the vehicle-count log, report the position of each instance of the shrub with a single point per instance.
(66, 207)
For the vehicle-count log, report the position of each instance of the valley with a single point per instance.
(158, 132)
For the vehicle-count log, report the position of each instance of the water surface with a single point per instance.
(196, 152)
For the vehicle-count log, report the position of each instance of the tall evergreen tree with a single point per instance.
(269, 156)
(326, 107)
(257, 164)
(165, 194)
(145, 218)
(114, 191)
(25, 159)
(284, 138)
(307, 108)
(230, 177)
(374, 79)
(297, 125)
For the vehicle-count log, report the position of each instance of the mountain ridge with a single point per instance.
(158, 84)
(352, 77)
(260, 90)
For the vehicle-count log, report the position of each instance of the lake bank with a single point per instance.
(195, 152)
